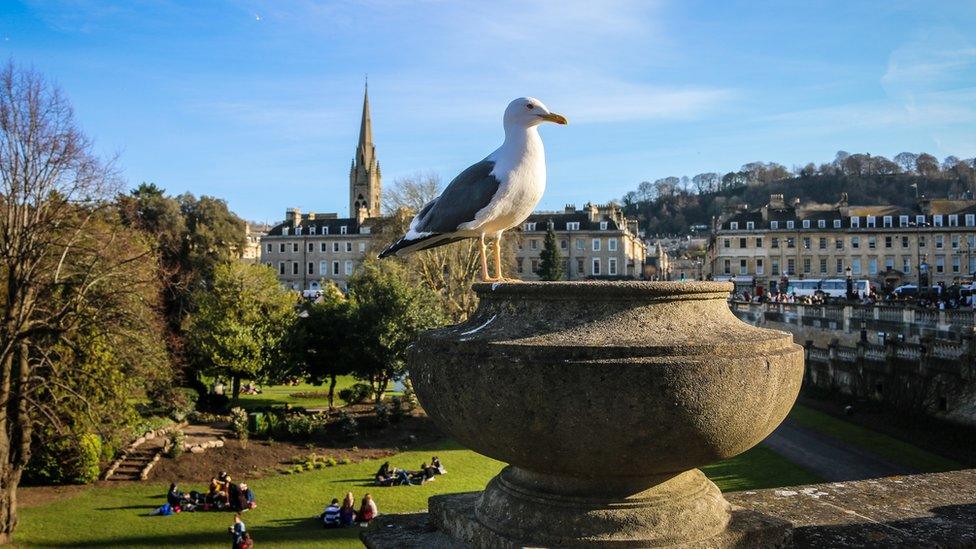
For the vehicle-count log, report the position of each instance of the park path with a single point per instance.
(830, 458)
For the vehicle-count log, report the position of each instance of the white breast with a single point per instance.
(521, 167)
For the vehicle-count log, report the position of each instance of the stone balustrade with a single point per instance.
(912, 322)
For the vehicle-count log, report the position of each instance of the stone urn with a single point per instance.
(604, 398)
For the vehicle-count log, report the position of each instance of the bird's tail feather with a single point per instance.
(406, 246)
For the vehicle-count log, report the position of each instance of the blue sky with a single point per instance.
(259, 101)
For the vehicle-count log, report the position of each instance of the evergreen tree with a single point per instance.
(551, 264)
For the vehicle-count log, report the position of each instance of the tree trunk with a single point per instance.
(236, 391)
(14, 437)
(381, 388)
(332, 386)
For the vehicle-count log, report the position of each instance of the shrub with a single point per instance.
(175, 402)
(356, 394)
(331, 462)
(299, 425)
(177, 439)
(409, 395)
(238, 419)
(310, 394)
(89, 456)
(348, 426)
(382, 414)
(398, 409)
(345, 461)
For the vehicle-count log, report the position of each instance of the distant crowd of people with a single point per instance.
(340, 516)
(222, 495)
(392, 476)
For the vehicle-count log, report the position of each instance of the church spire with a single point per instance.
(365, 148)
(364, 176)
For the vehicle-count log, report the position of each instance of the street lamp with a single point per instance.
(850, 283)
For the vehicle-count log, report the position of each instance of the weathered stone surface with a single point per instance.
(455, 514)
(933, 510)
(604, 398)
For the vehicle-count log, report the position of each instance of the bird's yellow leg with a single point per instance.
(484, 259)
(498, 256)
(499, 277)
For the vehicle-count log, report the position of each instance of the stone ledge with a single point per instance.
(932, 510)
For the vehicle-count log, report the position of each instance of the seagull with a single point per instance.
(490, 196)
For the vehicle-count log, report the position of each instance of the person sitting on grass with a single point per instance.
(384, 470)
(423, 475)
(249, 501)
(435, 462)
(235, 495)
(401, 476)
(367, 510)
(347, 513)
(215, 495)
(174, 497)
(330, 517)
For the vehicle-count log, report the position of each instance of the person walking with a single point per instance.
(237, 532)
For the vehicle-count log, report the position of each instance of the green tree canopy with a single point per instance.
(388, 313)
(321, 344)
(241, 322)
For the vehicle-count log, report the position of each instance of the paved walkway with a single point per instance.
(830, 458)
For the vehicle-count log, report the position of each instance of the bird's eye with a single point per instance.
(529, 106)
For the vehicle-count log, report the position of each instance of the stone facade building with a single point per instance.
(307, 248)
(596, 241)
(933, 243)
(253, 233)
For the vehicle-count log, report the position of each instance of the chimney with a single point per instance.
(593, 212)
(570, 208)
(293, 216)
(843, 200)
(777, 202)
(796, 202)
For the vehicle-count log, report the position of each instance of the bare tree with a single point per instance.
(907, 161)
(53, 191)
(449, 270)
(412, 192)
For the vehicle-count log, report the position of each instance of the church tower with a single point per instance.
(364, 176)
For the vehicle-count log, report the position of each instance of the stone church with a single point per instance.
(308, 248)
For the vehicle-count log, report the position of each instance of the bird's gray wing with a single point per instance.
(464, 197)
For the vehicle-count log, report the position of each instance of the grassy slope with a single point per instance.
(287, 503)
(883, 445)
(278, 395)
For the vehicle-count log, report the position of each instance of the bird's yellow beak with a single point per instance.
(553, 117)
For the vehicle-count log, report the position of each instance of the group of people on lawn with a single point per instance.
(391, 476)
(336, 516)
(222, 495)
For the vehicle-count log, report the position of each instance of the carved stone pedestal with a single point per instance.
(604, 398)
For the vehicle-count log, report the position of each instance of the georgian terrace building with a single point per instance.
(931, 243)
(595, 241)
(309, 248)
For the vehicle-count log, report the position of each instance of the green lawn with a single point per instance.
(887, 447)
(279, 395)
(116, 516)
